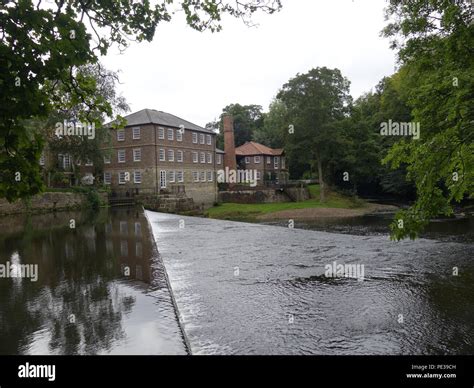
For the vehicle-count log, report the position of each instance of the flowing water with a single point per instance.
(259, 289)
(239, 288)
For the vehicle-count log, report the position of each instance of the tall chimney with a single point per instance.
(229, 144)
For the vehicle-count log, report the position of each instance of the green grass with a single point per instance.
(249, 212)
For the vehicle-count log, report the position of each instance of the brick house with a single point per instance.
(157, 152)
(269, 163)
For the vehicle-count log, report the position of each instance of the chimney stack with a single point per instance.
(229, 143)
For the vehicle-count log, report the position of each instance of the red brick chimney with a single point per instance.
(229, 143)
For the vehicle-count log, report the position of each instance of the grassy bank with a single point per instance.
(251, 212)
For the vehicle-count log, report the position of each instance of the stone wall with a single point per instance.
(265, 195)
(46, 202)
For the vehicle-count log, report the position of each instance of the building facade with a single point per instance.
(159, 153)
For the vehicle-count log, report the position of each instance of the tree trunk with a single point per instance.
(322, 196)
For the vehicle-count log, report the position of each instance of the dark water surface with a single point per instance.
(101, 287)
(261, 289)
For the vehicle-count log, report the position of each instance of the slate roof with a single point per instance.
(253, 148)
(153, 116)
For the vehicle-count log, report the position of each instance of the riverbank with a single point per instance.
(335, 206)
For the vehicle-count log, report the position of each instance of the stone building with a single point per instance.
(159, 153)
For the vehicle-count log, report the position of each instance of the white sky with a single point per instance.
(194, 75)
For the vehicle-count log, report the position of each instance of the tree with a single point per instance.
(434, 41)
(41, 47)
(315, 101)
(275, 127)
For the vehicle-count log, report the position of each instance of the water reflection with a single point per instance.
(101, 287)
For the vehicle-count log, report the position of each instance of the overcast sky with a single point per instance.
(194, 75)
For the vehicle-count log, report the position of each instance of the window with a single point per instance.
(180, 176)
(42, 160)
(218, 158)
(179, 156)
(269, 160)
(78, 163)
(209, 176)
(121, 156)
(201, 138)
(171, 176)
(276, 161)
(195, 157)
(179, 134)
(170, 134)
(209, 158)
(195, 137)
(136, 133)
(121, 178)
(121, 135)
(203, 157)
(282, 162)
(138, 229)
(161, 133)
(66, 161)
(170, 156)
(203, 176)
(88, 163)
(137, 177)
(195, 176)
(107, 178)
(124, 248)
(209, 139)
(106, 159)
(247, 160)
(258, 175)
(256, 159)
(137, 154)
(162, 155)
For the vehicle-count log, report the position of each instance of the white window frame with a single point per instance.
(209, 139)
(172, 176)
(107, 178)
(202, 157)
(121, 152)
(161, 133)
(269, 160)
(170, 155)
(162, 154)
(195, 138)
(247, 160)
(170, 134)
(210, 176)
(202, 176)
(121, 135)
(276, 162)
(42, 160)
(195, 176)
(136, 133)
(180, 156)
(202, 139)
(195, 157)
(209, 158)
(107, 159)
(180, 176)
(259, 175)
(122, 182)
(179, 134)
(135, 180)
(218, 158)
(135, 159)
(256, 159)
(88, 163)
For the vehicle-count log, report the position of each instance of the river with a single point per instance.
(239, 288)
